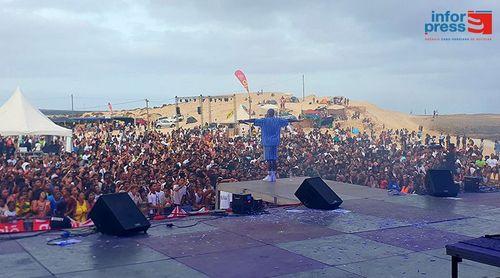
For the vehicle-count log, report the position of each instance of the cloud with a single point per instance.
(114, 50)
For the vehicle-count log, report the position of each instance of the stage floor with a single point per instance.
(373, 235)
(282, 191)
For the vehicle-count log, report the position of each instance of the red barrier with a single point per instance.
(36, 225)
(12, 227)
(41, 225)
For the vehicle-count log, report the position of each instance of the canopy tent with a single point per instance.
(19, 117)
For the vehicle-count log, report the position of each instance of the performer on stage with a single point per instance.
(270, 129)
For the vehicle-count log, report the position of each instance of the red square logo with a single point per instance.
(480, 22)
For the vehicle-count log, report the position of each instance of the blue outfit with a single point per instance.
(52, 201)
(393, 188)
(270, 129)
(271, 152)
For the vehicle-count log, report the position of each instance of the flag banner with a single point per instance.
(177, 212)
(242, 78)
(110, 107)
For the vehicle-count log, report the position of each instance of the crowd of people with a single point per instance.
(162, 170)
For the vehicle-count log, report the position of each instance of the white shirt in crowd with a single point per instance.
(492, 162)
(156, 198)
(178, 194)
(8, 213)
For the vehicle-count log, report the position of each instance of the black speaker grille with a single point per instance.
(117, 214)
(315, 193)
(439, 183)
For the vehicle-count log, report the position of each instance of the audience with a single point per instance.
(183, 167)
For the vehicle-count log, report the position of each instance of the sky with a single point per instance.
(124, 51)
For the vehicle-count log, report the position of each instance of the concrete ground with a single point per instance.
(374, 235)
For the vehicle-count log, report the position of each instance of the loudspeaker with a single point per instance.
(439, 183)
(246, 204)
(471, 184)
(316, 194)
(242, 203)
(117, 214)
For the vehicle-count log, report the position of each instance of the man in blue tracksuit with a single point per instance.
(270, 128)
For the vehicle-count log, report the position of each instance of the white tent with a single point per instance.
(19, 117)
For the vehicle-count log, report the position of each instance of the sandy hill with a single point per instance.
(220, 110)
(476, 125)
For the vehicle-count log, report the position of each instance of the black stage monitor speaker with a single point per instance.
(316, 194)
(439, 183)
(246, 204)
(242, 203)
(471, 184)
(117, 214)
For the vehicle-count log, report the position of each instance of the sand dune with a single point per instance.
(220, 110)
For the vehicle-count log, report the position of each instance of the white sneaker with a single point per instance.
(268, 177)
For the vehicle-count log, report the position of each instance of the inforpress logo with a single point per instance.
(473, 25)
